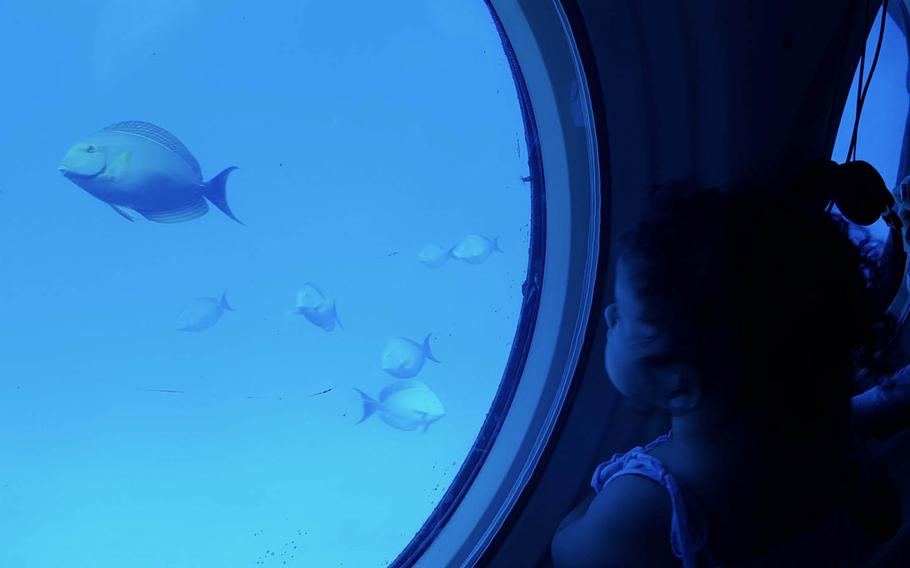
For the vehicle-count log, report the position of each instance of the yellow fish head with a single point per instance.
(83, 160)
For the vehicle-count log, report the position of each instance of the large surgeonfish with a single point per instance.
(140, 167)
(203, 313)
(403, 358)
(405, 405)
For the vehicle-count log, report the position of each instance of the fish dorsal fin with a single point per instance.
(159, 136)
(315, 289)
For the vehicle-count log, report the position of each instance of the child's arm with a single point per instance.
(884, 410)
(577, 511)
(626, 524)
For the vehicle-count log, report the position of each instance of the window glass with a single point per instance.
(188, 352)
(883, 119)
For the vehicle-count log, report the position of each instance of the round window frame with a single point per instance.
(558, 291)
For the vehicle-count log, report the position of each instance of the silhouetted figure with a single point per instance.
(742, 314)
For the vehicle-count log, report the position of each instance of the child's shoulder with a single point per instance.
(627, 524)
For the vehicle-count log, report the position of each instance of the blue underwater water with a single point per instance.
(362, 132)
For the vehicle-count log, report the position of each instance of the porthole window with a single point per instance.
(265, 272)
(883, 120)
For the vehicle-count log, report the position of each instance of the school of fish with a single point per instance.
(138, 168)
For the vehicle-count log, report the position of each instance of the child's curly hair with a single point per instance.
(764, 295)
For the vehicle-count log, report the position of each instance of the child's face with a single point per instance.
(636, 349)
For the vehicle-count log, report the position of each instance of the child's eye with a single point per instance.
(90, 149)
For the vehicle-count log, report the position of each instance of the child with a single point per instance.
(740, 313)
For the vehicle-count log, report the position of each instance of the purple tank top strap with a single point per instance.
(686, 536)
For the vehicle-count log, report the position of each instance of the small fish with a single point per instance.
(433, 255)
(203, 313)
(168, 391)
(403, 358)
(405, 405)
(321, 392)
(526, 179)
(475, 249)
(137, 166)
(315, 307)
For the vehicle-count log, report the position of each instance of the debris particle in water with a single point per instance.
(168, 391)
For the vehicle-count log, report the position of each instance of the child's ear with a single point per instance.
(680, 390)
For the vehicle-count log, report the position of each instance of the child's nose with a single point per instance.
(610, 316)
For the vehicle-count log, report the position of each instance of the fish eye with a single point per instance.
(90, 149)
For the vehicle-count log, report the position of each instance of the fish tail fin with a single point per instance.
(369, 405)
(426, 349)
(223, 303)
(214, 190)
(335, 314)
(496, 244)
